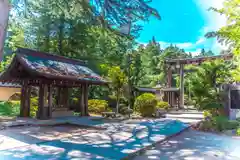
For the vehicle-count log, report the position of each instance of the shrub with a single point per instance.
(207, 114)
(238, 132)
(123, 109)
(207, 126)
(146, 104)
(33, 106)
(10, 108)
(97, 106)
(163, 105)
(221, 123)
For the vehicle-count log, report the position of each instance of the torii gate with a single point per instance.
(180, 63)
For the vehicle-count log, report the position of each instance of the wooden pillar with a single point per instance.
(50, 101)
(86, 99)
(79, 108)
(169, 77)
(40, 112)
(82, 100)
(29, 88)
(181, 86)
(25, 100)
(65, 97)
(58, 97)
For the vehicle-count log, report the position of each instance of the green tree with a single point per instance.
(206, 80)
(118, 79)
(229, 34)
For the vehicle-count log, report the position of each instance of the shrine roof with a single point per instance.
(31, 64)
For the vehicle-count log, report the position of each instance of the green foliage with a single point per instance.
(33, 106)
(118, 79)
(207, 114)
(10, 108)
(219, 124)
(203, 84)
(229, 34)
(163, 105)
(238, 132)
(97, 106)
(146, 104)
(124, 110)
(5, 63)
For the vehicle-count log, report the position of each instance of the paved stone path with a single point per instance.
(194, 145)
(118, 140)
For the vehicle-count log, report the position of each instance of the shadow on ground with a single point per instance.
(193, 145)
(116, 142)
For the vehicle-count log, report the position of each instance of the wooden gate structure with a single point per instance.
(179, 65)
(46, 71)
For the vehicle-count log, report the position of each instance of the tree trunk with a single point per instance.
(118, 98)
(61, 34)
(4, 13)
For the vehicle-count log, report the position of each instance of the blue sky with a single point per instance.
(184, 23)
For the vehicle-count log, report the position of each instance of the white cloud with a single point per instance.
(215, 20)
(180, 45)
(201, 40)
(196, 52)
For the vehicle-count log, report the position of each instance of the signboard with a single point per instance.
(234, 104)
(4, 11)
(235, 99)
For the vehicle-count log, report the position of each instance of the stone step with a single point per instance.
(185, 112)
(187, 116)
(186, 120)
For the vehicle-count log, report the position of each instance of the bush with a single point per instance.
(124, 110)
(10, 108)
(33, 106)
(238, 132)
(207, 126)
(221, 123)
(97, 106)
(146, 104)
(163, 105)
(207, 114)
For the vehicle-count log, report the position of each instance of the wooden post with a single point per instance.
(86, 100)
(40, 112)
(28, 101)
(65, 97)
(58, 98)
(50, 101)
(169, 77)
(79, 108)
(22, 99)
(25, 100)
(181, 86)
(82, 100)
